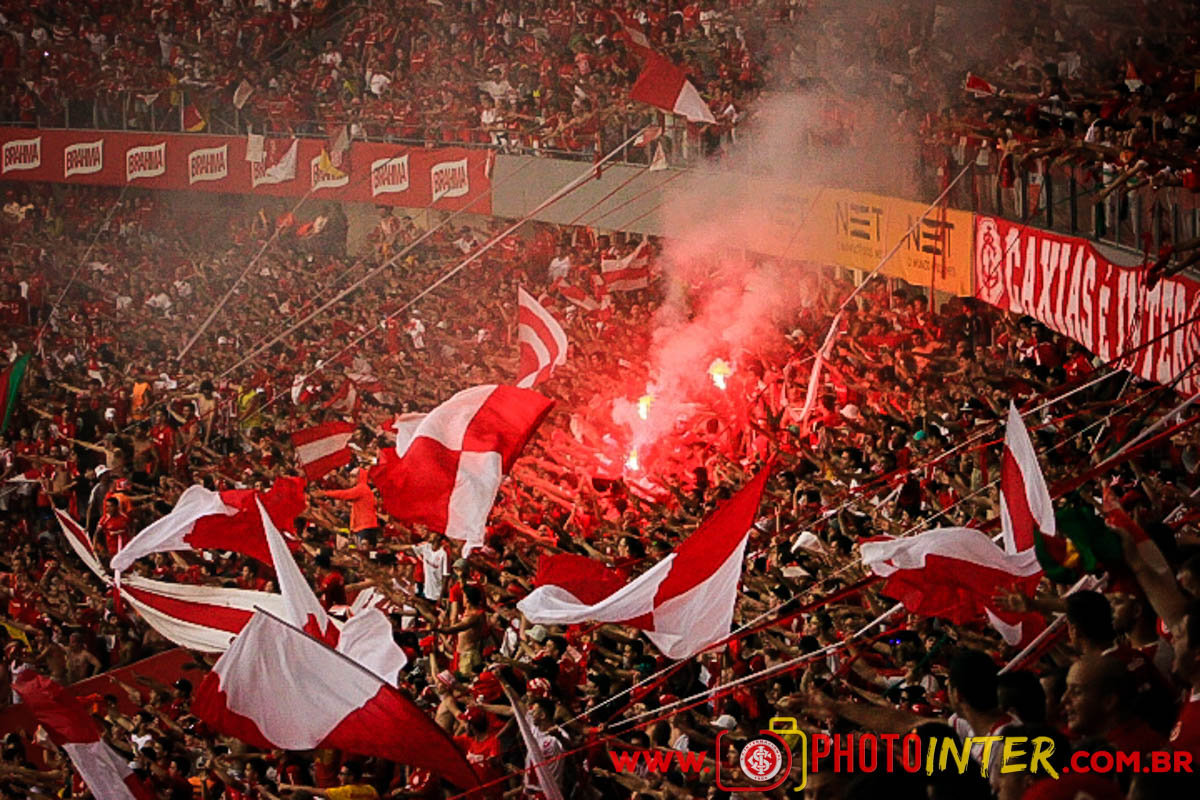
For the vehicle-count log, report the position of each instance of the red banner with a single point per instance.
(1067, 284)
(448, 178)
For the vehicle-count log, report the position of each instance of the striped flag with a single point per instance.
(1025, 503)
(542, 340)
(10, 382)
(323, 448)
(629, 273)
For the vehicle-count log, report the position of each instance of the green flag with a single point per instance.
(10, 382)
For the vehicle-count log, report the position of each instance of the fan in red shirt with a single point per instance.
(113, 526)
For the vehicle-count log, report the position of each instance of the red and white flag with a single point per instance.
(979, 87)
(579, 297)
(445, 475)
(323, 448)
(203, 618)
(365, 638)
(635, 37)
(80, 542)
(648, 135)
(953, 573)
(665, 86)
(684, 603)
(105, 771)
(346, 399)
(277, 687)
(1025, 503)
(542, 340)
(629, 273)
(206, 520)
(242, 93)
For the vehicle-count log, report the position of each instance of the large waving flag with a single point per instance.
(542, 340)
(1025, 504)
(103, 769)
(684, 603)
(445, 472)
(204, 618)
(206, 520)
(665, 86)
(365, 638)
(277, 687)
(953, 573)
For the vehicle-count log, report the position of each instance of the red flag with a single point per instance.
(665, 86)
(106, 773)
(1025, 503)
(953, 573)
(323, 448)
(684, 602)
(445, 473)
(543, 342)
(979, 87)
(277, 687)
(229, 520)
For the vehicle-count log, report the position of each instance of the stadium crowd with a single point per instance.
(1108, 90)
(104, 288)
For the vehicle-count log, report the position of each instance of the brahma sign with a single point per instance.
(449, 178)
(1067, 284)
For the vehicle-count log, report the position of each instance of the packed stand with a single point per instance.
(111, 428)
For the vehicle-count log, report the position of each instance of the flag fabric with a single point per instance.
(323, 448)
(648, 135)
(684, 603)
(80, 542)
(578, 297)
(979, 87)
(664, 85)
(256, 147)
(202, 618)
(339, 150)
(629, 273)
(590, 580)
(543, 776)
(206, 520)
(1017, 628)
(543, 342)
(193, 120)
(277, 687)
(272, 169)
(1025, 503)
(10, 384)
(635, 37)
(446, 475)
(953, 573)
(659, 162)
(242, 93)
(365, 638)
(106, 772)
(346, 399)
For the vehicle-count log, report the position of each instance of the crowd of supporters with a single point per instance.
(105, 288)
(1109, 88)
